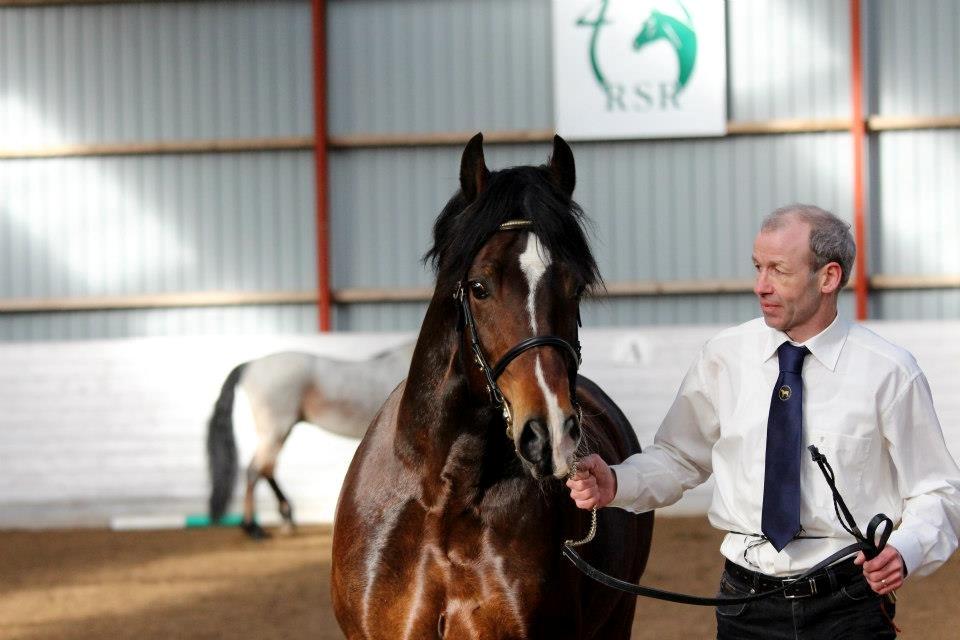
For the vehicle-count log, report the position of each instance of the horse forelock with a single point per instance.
(527, 193)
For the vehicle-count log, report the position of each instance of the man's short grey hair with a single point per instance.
(830, 237)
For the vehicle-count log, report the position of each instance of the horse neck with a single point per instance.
(439, 416)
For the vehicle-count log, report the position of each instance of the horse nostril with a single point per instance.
(572, 426)
(534, 440)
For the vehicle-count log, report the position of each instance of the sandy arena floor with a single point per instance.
(216, 584)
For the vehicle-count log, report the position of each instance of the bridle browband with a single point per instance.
(491, 374)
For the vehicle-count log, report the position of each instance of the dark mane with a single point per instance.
(526, 193)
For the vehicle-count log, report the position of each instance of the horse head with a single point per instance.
(512, 248)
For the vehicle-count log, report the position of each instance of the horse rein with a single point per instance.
(491, 374)
(870, 544)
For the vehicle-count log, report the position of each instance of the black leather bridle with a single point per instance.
(491, 374)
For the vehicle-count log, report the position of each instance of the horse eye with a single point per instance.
(479, 291)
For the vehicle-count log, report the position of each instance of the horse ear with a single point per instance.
(473, 169)
(562, 167)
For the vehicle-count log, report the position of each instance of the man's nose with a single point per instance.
(761, 285)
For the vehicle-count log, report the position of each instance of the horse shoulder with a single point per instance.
(377, 517)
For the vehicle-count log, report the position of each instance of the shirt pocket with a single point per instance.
(847, 455)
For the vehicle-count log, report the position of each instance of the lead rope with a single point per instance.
(593, 519)
(872, 543)
(877, 542)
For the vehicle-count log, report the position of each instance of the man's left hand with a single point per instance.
(885, 573)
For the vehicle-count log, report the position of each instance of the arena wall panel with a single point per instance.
(102, 431)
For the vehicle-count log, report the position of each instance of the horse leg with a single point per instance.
(286, 511)
(261, 466)
(274, 416)
(249, 524)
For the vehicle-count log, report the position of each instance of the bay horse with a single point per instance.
(453, 512)
(285, 388)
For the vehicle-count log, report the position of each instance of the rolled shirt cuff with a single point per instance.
(628, 486)
(910, 549)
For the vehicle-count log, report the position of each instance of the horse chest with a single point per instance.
(474, 587)
(462, 579)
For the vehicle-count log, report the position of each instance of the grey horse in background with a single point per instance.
(340, 396)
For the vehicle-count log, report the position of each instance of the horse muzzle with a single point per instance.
(545, 454)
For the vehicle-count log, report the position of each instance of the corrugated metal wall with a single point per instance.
(788, 59)
(916, 207)
(678, 209)
(122, 225)
(154, 71)
(431, 65)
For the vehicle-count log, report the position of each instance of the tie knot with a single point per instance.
(791, 357)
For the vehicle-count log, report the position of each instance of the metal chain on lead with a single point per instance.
(593, 521)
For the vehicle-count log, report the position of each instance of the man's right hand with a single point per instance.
(594, 484)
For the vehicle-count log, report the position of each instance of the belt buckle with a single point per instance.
(790, 583)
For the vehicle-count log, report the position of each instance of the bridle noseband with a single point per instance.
(491, 374)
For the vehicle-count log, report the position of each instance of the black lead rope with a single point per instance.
(870, 544)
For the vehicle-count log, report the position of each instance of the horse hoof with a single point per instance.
(288, 528)
(254, 531)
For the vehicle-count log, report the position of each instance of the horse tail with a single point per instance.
(222, 447)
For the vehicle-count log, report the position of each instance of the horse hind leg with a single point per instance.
(249, 523)
(261, 466)
(283, 505)
(268, 458)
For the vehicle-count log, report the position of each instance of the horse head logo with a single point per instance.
(608, 17)
(679, 34)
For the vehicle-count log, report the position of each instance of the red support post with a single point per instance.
(322, 178)
(858, 141)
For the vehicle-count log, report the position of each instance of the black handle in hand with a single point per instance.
(871, 544)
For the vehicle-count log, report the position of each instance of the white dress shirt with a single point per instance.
(866, 406)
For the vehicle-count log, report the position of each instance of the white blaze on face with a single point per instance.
(533, 263)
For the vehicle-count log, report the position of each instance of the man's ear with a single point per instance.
(830, 277)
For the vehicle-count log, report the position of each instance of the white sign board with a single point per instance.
(639, 68)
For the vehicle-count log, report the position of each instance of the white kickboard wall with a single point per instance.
(96, 431)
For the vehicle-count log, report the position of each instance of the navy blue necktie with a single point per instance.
(780, 521)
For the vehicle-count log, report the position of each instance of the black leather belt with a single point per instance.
(824, 582)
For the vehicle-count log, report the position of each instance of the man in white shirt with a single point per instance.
(865, 405)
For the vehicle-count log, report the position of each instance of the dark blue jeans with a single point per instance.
(851, 613)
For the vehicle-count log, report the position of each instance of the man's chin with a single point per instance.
(772, 321)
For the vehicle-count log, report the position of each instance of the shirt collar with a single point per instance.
(825, 346)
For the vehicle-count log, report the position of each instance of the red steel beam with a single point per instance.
(858, 139)
(319, 16)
